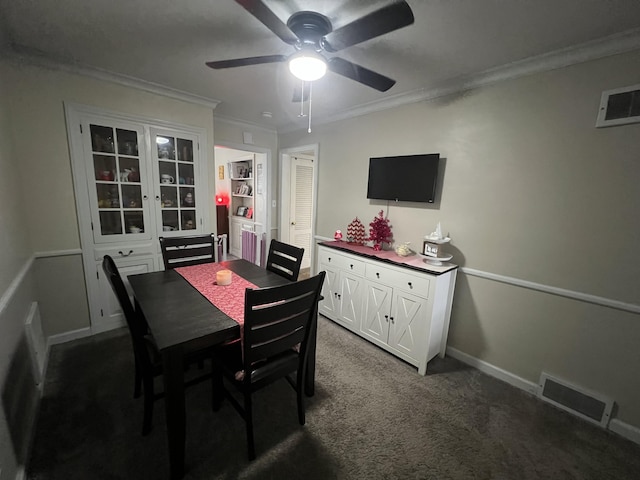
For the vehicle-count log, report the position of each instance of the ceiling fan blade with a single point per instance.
(300, 93)
(360, 74)
(243, 62)
(269, 19)
(379, 22)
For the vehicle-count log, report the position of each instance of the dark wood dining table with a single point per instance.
(182, 321)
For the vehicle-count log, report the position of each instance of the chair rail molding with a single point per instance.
(58, 253)
(541, 287)
(15, 284)
(562, 292)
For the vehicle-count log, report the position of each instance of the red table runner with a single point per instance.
(228, 298)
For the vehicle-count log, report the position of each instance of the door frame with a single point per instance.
(252, 149)
(285, 193)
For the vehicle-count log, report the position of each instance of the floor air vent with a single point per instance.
(588, 405)
(619, 107)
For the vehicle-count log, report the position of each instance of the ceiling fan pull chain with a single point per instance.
(302, 99)
(310, 91)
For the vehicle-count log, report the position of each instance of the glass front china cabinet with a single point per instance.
(119, 187)
(135, 180)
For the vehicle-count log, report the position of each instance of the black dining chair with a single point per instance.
(284, 259)
(146, 356)
(185, 251)
(277, 326)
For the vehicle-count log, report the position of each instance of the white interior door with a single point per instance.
(301, 206)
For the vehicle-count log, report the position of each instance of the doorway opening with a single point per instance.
(242, 198)
(298, 198)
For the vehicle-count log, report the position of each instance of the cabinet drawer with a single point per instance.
(410, 282)
(343, 262)
(125, 251)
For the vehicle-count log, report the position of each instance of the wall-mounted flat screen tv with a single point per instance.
(407, 178)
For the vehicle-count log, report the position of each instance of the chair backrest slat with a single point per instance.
(278, 318)
(281, 344)
(185, 251)
(269, 330)
(284, 259)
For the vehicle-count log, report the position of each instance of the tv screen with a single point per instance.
(408, 178)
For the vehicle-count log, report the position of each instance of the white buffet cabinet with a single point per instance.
(401, 304)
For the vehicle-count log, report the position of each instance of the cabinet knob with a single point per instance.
(386, 318)
(329, 259)
(145, 197)
(391, 318)
(351, 266)
(377, 275)
(157, 197)
(339, 296)
(409, 283)
(125, 254)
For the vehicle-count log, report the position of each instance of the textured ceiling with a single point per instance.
(167, 42)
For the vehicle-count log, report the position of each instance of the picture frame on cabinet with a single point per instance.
(241, 211)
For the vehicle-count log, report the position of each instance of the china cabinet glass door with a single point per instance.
(176, 181)
(118, 194)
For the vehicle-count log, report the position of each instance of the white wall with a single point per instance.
(36, 103)
(16, 284)
(531, 190)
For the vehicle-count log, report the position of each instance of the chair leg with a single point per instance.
(217, 386)
(137, 387)
(300, 396)
(148, 404)
(248, 419)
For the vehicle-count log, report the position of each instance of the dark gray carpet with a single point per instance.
(373, 417)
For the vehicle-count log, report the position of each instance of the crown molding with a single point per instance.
(612, 45)
(244, 124)
(25, 55)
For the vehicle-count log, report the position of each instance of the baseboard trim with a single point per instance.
(615, 425)
(494, 371)
(67, 337)
(625, 430)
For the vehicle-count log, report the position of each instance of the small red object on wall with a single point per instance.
(222, 199)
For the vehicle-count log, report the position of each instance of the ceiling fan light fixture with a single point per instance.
(307, 66)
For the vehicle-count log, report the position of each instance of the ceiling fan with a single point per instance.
(311, 34)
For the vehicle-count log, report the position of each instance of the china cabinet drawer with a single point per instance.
(416, 284)
(342, 262)
(126, 251)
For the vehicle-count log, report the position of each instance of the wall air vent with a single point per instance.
(590, 406)
(619, 107)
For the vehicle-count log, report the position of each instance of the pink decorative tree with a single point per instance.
(380, 231)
